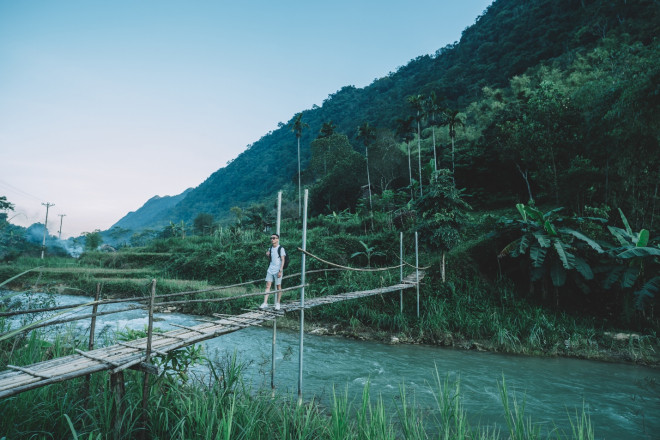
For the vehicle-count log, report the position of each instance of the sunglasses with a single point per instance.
(273, 238)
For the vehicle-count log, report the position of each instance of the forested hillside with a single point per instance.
(551, 101)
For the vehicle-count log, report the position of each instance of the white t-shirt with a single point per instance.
(275, 260)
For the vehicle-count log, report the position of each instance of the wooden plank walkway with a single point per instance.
(121, 356)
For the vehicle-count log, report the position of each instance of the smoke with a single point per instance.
(74, 250)
(54, 246)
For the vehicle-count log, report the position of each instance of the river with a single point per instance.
(623, 401)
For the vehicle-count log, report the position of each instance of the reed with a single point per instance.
(212, 409)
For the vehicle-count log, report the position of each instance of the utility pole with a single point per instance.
(43, 244)
(61, 218)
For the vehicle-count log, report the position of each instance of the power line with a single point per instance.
(19, 191)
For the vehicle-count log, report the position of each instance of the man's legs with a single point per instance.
(265, 304)
(278, 296)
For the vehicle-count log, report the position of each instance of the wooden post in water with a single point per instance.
(417, 271)
(272, 369)
(145, 382)
(302, 299)
(401, 268)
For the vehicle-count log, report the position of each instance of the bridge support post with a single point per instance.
(401, 269)
(95, 307)
(302, 300)
(272, 369)
(417, 271)
(118, 391)
(92, 330)
(145, 382)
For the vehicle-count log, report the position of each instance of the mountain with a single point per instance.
(510, 38)
(153, 214)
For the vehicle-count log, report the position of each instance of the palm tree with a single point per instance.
(297, 127)
(431, 110)
(367, 133)
(417, 101)
(453, 121)
(327, 129)
(404, 131)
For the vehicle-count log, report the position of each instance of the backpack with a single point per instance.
(286, 258)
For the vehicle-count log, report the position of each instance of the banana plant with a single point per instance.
(553, 250)
(369, 253)
(634, 258)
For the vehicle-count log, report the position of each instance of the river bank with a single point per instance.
(625, 348)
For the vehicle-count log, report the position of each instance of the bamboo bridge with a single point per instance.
(136, 353)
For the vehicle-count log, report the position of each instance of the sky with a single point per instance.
(104, 105)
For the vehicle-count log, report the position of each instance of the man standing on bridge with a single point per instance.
(276, 254)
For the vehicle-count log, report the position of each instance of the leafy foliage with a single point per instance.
(553, 251)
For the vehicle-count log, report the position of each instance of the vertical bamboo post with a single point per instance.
(302, 300)
(92, 330)
(272, 369)
(417, 271)
(279, 211)
(95, 307)
(118, 391)
(401, 269)
(145, 382)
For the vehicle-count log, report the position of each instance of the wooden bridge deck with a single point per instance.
(121, 356)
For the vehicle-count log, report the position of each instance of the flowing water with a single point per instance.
(623, 401)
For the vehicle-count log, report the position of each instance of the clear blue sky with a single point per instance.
(105, 104)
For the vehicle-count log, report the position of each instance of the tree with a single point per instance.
(367, 134)
(431, 109)
(327, 129)
(404, 131)
(443, 214)
(297, 128)
(5, 205)
(453, 121)
(93, 240)
(238, 213)
(339, 184)
(417, 103)
(258, 217)
(203, 223)
(385, 161)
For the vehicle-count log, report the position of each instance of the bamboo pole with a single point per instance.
(92, 330)
(273, 354)
(229, 298)
(302, 300)
(118, 391)
(145, 382)
(95, 307)
(417, 270)
(401, 269)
